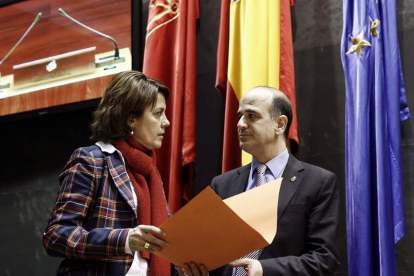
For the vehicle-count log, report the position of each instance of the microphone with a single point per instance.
(39, 15)
(63, 13)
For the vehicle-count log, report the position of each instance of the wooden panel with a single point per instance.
(70, 93)
(55, 34)
(66, 91)
(65, 66)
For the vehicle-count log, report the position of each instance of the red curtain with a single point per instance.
(170, 56)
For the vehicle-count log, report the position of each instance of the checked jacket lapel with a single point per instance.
(121, 179)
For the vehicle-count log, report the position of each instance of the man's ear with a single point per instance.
(281, 123)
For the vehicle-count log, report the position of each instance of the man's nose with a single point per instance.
(241, 123)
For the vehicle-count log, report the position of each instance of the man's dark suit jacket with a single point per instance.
(306, 239)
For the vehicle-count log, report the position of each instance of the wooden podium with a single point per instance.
(32, 88)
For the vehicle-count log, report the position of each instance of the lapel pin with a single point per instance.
(293, 179)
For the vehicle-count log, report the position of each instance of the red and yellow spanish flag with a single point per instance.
(170, 56)
(255, 48)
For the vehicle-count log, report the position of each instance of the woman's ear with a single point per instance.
(131, 120)
(131, 123)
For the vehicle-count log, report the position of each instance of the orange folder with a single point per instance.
(214, 232)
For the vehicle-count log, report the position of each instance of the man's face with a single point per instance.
(256, 129)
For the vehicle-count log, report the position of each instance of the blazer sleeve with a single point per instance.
(321, 257)
(65, 236)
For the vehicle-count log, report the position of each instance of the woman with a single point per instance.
(111, 200)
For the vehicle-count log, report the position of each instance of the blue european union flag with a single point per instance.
(375, 105)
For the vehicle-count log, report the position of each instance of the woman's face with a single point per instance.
(149, 129)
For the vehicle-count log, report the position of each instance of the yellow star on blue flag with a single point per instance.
(358, 44)
(374, 26)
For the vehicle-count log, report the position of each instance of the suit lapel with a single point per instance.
(240, 182)
(292, 177)
(121, 179)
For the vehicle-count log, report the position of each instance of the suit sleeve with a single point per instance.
(321, 257)
(213, 185)
(65, 235)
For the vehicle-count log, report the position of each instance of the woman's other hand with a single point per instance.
(141, 240)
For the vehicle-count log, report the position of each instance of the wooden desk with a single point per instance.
(71, 90)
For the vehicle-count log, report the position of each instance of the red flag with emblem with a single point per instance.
(170, 56)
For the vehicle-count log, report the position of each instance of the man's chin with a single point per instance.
(245, 146)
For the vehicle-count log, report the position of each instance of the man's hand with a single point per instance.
(194, 270)
(252, 267)
(141, 240)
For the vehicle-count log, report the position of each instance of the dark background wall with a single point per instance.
(36, 147)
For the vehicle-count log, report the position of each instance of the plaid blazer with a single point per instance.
(93, 214)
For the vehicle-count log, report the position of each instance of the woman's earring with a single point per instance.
(132, 131)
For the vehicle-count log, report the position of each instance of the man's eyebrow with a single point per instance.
(251, 111)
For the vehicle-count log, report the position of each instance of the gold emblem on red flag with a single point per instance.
(162, 12)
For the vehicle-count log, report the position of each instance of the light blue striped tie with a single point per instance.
(261, 179)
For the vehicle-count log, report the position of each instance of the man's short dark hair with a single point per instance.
(280, 106)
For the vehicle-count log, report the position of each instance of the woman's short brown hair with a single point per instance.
(127, 95)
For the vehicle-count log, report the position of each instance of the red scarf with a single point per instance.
(152, 209)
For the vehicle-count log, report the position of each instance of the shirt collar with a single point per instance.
(109, 148)
(275, 165)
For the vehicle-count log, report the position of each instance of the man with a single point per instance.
(305, 243)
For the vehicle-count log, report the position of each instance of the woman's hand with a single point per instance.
(194, 270)
(141, 240)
